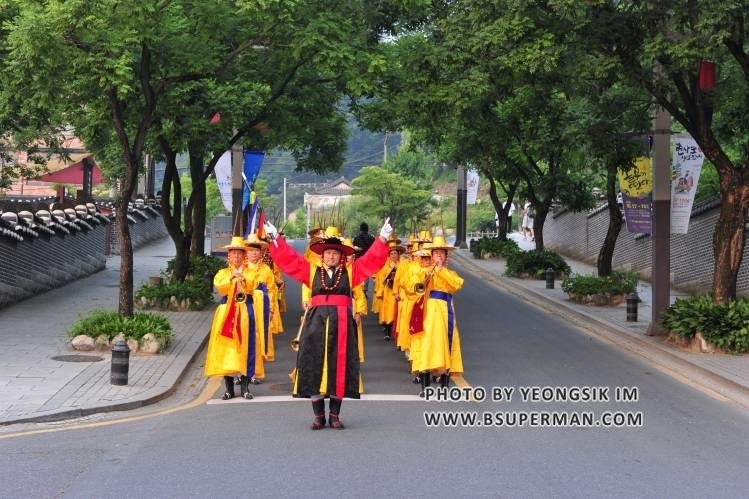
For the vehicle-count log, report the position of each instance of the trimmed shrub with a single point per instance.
(533, 264)
(724, 325)
(618, 283)
(493, 247)
(111, 323)
(194, 293)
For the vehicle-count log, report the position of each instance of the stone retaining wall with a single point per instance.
(34, 259)
(580, 236)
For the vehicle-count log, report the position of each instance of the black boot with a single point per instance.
(244, 382)
(335, 410)
(426, 381)
(229, 383)
(318, 407)
(387, 329)
(444, 380)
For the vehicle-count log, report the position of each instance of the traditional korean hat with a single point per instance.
(332, 231)
(237, 242)
(439, 243)
(253, 241)
(350, 244)
(422, 252)
(394, 244)
(314, 230)
(424, 236)
(331, 243)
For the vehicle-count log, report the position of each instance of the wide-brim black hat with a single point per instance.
(331, 243)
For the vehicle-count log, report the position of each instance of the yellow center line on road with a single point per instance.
(210, 388)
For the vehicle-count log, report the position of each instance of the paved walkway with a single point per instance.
(37, 383)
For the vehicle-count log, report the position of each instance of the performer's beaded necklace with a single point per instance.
(338, 276)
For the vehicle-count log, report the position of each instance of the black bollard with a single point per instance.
(632, 300)
(550, 278)
(120, 363)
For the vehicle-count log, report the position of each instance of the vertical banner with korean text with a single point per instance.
(472, 186)
(637, 195)
(686, 166)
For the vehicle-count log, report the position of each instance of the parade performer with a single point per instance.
(386, 290)
(328, 358)
(232, 347)
(439, 353)
(280, 302)
(360, 301)
(264, 304)
(417, 259)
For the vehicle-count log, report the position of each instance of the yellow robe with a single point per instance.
(360, 306)
(263, 274)
(228, 356)
(409, 276)
(387, 294)
(435, 352)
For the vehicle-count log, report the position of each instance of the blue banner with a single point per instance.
(253, 160)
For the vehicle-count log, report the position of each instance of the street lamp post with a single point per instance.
(460, 235)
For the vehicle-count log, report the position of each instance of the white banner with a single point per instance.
(472, 186)
(223, 178)
(686, 166)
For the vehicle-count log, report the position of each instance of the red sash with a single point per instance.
(416, 325)
(230, 326)
(342, 304)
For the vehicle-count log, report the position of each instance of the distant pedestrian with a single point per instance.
(527, 221)
(362, 241)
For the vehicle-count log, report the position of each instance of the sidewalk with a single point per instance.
(36, 386)
(723, 376)
(43, 379)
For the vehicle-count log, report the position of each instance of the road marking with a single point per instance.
(209, 390)
(288, 398)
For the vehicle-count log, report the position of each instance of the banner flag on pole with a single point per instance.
(472, 186)
(686, 167)
(637, 194)
(253, 160)
(222, 171)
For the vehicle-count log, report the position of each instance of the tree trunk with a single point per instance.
(125, 306)
(499, 209)
(196, 205)
(728, 238)
(173, 215)
(542, 210)
(606, 253)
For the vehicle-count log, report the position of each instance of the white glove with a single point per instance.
(270, 230)
(386, 229)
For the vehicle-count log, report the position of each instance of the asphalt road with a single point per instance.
(679, 442)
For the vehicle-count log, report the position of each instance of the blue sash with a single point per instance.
(441, 295)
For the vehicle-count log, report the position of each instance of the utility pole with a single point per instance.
(661, 220)
(284, 199)
(237, 168)
(308, 210)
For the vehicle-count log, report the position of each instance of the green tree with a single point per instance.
(661, 47)
(488, 85)
(392, 195)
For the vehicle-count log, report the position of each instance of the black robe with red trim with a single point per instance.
(328, 357)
